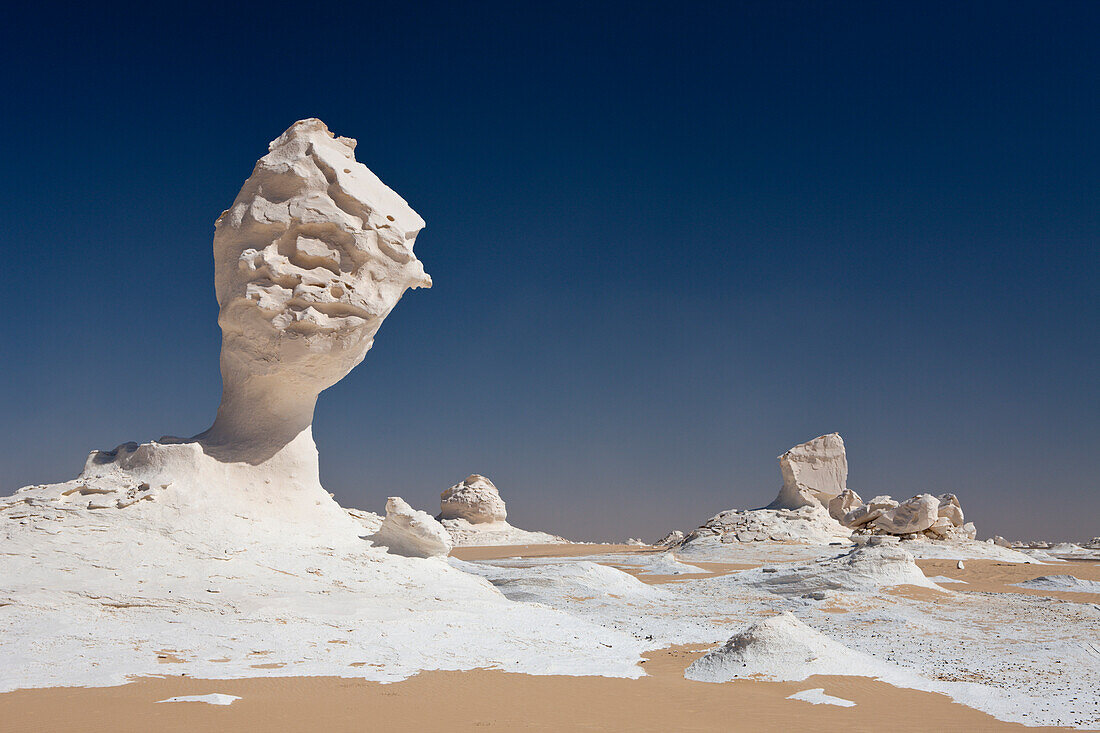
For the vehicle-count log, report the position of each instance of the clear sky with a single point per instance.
(668, 242)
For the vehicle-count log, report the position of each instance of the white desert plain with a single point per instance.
(212, 583)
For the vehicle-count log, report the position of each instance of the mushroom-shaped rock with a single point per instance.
(476, 500)
(843, 503)
(914, 515)
(407, 531)
(813, 473)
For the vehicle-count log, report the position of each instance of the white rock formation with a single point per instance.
(227, 543)
(933, 517)
(309, 260)
(475, 499)
(410, 532)
(674, 537)
(814, 484)
(951, 510)
(808, 524)
(1066, 583)
(865, 569)
(813, 473)
(843, 503)
(912, 516)
(781, 647)
(474, 514)
(869, 512)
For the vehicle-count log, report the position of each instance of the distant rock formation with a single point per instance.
(671, 539)
(933, 517)
(473, 513)
(808, 524)
(865, 568)
(476, 500)
(412, 533)
(813, 473)
(815, 505)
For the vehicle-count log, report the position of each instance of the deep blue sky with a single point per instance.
(668, 243)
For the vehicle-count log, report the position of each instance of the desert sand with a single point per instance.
(482, 699)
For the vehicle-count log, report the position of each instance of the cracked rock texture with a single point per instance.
(475, 499)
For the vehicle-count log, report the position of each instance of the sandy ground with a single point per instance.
(994, 576)
(479, 700)
(489, 699)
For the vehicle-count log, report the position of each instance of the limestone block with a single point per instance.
(813, 473)
(914, 515)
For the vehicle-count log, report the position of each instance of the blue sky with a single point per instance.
(668, 242)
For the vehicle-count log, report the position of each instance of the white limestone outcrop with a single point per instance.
(842, 503)
(808, 524)
(865, 569)
(813, 473)
(909, 517)
(926, 515)
(674, 537)
(476, 499)
(816, 506)
(951, 509)
(781, 647)
(308, 261)
(410, 532)
(474, 514)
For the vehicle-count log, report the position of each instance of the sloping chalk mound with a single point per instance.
(806, 525)
(1061, 582)
(864, 569)
(665, 563)
(671, 539)
(576, 580)
(781, 648)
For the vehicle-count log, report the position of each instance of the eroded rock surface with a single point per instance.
(410, 532)
(475, 499)
(780, 647)
(473, 513)
(813, 473)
